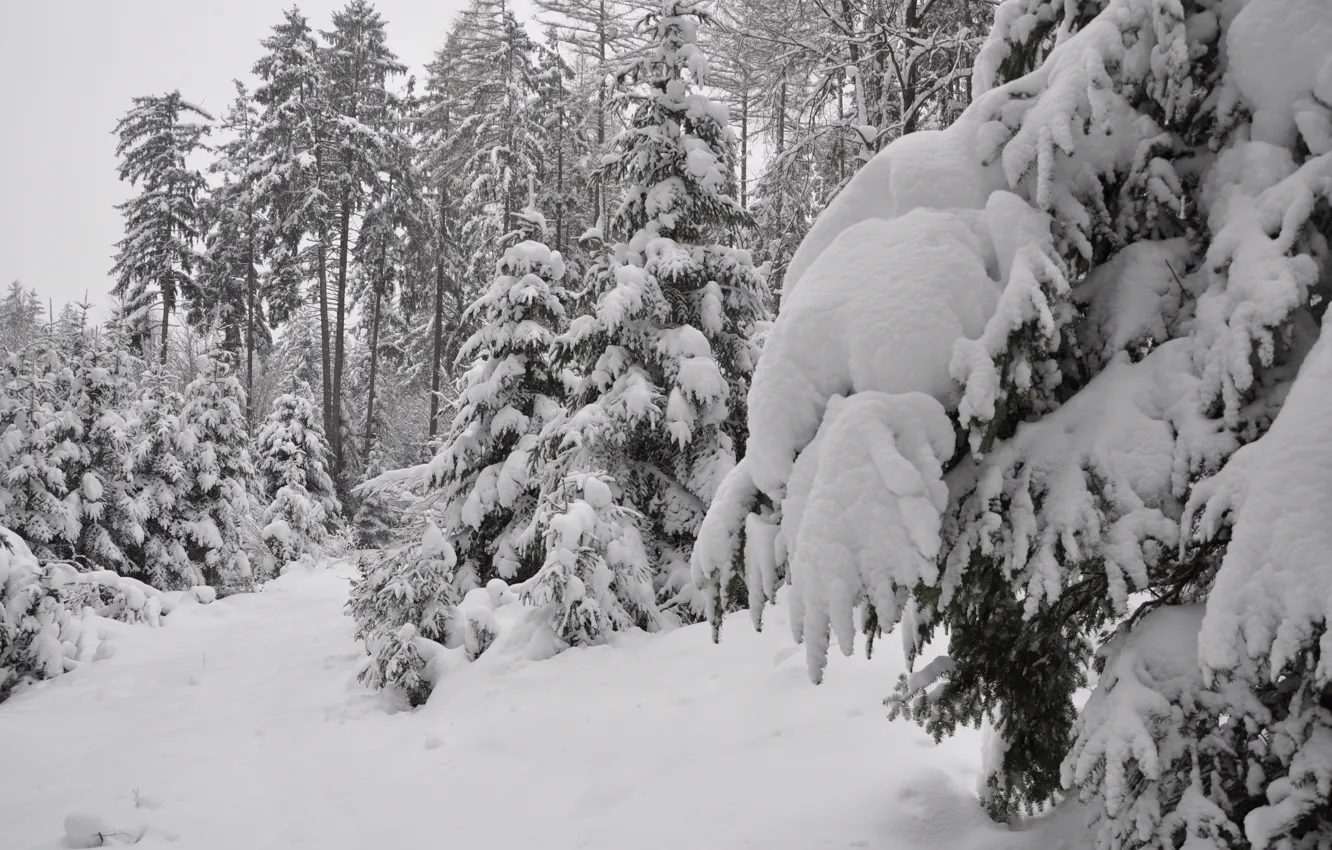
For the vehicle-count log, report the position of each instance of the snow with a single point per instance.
(934, 169)
(879, 311)
(1273, 594)
(1278, 51)
(203, 734)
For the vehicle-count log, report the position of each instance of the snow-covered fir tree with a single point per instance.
(213, 449)
(664, 354)
(510, 393)
(39, 448)
(501, 130)
(1003, 399)
(292, 463)
(40, 638)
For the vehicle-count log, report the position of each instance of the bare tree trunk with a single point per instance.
(744, 149)
(437, 354)
(166, 323)
(250, 286)
(325, 337)
(339, 332)
(599, 197)
(374, 361)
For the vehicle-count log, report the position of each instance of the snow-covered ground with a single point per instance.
(240, 725)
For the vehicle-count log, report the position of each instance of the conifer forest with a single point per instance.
(493, 452)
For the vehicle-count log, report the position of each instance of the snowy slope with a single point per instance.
(240, 724)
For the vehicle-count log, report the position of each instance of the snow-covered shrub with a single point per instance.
(596, 577)
(404, 608)
(39, 636)
(1105, 278)
(292, 464)
(665, 356)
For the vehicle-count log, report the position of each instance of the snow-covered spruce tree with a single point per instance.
(664, 353)
(65, 437)
(102, 385)
(160, 481)
(213, 449)
(404, 608)
(1008, 354)
(292, 462)
(511, 392)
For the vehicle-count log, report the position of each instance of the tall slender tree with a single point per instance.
(293, 138)
(358, 66)
(227, 296)
(155, 260)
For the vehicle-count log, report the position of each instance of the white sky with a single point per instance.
(68, 69)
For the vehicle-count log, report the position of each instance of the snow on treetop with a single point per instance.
(529, 256)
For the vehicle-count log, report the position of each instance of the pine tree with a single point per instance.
(596, 577)
(103, 382)
(600, 35)
(509, 394)
(666, 354)
(292, 462)
(40, 637)
(155, 261)
(40, 447)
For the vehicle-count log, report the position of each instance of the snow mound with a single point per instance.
(933, 169)
(596, 741)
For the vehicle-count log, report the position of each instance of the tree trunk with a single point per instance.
(325, 338)
(909, 23)
(437, 352)
(374, 362)
(598, 196)
(339, 346)
(250, 285)
(744, 149)
(166, 323)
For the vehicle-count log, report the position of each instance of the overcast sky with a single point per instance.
(68, 69)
